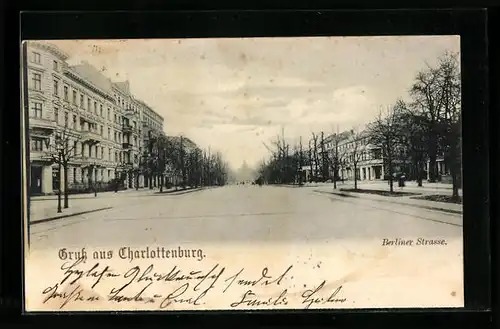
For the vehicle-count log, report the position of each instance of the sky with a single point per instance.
(238, 95)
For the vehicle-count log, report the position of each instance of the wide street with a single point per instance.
(240, 214)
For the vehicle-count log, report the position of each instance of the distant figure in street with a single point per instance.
(402, 178)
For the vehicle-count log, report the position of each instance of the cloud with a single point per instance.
(233, 94)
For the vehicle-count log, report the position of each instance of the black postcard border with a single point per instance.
(469, 24)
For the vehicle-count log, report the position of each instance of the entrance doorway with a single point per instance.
(36, 180)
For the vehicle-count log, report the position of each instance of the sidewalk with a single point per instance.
(44, 208)
(402, 200)
(411, 186)
(111, 194)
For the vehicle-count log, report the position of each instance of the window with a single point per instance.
(56, 66)
(74, 97)
(100, 111)
(56, 115)
(36, 144)
(116, 157)
(66, 93)
(56, 88)
(36, 58)
(102, 152)
(109, 113)
(95, 107)
(37, 110)
(66, 115)
(37, 81)
(102, 130)
(82, 101)
(109, 154)
(75, 147)
(88, 104)
(74, 121)
(74, 175)
(115, 137)
(115, 118)
(109, 133)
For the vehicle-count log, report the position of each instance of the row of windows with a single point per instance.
(84, 174)
(36, 84)
(37, 59)
(84, 102)
(365, 156)
(97, 152)
(36, 112)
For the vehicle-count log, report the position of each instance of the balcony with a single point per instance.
(90, 136)
(42, 123)
(127, 129)
(129, 112)
(127, 146)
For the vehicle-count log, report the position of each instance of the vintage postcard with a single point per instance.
(243, 174)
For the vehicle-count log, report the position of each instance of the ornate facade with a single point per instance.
(103, 122)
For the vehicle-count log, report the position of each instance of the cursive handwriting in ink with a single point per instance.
(76, 295)
(312, 296)
(177, 295)
(251, 299)
(116, 295)
(264, 280)
(71, 272)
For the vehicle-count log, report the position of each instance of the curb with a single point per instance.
(50, 219)
(179, 192)
(344, 194)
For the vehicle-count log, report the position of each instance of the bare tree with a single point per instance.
(301, 161)
(435, 91)
(315, 155)
(450, 121)
(356, 148)
(61, 149)
(335, 158)
(384, 132)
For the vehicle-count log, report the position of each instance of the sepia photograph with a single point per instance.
(242, 173)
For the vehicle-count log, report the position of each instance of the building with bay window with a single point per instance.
(101, 118)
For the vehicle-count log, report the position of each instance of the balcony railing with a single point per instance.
(42, 123)
(127, 146)
(129, 112)
(90, 136)
(127, 129)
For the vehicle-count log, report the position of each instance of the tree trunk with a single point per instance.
(59, 189)
(432, 160)
(335, 169)
(391, 180)
(355, 177)
(455, 195)
(161, 183)
(66, 198)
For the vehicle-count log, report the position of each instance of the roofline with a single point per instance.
(50, 48)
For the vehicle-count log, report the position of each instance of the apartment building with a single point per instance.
(102, 119)
(351, 150)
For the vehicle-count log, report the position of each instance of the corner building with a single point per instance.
(102, 117)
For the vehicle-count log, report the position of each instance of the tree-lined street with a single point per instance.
(241, 213)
